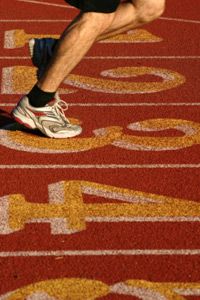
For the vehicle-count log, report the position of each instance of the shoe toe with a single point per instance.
(75, 128)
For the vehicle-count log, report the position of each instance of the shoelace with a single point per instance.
(60, 107)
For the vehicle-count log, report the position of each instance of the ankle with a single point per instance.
(39, 98)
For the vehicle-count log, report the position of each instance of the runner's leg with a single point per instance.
(132, 14)
(87, 28)
(72, 46)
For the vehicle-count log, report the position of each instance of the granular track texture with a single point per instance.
(114, 213)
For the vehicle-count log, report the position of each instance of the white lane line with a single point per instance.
(63, 20)
(142, 219)
(115, 57)
(47, 3)
(112, 252)
(107, 104)
(103, 166)
(142, 57)
(14, 57)
(180, 20)
(36, 21)
(131, 104)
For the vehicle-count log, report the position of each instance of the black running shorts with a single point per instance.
(101, 6)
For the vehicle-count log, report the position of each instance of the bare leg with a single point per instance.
(130, 15)
(133, 14)
(72, 46)
(89, 27)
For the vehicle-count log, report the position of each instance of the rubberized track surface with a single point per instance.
(121, 200)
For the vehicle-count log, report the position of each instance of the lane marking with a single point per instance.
(63, 20)
(37, 21)
(180, 20)
(115, 57)
(104, 166)
(112, 252)
(142, 57)
(107, 104)
(143, 219)
(15, 57)
(46, 3)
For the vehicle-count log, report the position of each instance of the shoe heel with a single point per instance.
(18, 117)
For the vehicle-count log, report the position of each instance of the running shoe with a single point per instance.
(50, 119)
(41, 51)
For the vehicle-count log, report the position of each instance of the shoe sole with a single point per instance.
(29, 123)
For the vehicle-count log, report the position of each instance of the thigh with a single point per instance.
(101, 6)
(148, 3)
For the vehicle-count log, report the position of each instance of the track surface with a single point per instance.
(124, 214)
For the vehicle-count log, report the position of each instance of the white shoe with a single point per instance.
(50, 119)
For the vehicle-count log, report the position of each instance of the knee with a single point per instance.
(98, 21)
(151, 11)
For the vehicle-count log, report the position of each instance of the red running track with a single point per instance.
(148, 146)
